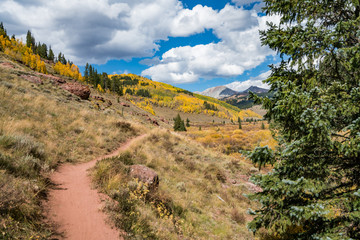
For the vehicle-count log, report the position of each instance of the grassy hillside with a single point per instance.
(150, 95)
(200, 195)
(42, 125)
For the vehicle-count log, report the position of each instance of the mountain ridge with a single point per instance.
(222, 92)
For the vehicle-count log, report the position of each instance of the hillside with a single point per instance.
(45, 126)
(160, 99)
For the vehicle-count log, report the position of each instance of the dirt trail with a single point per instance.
(75, 207)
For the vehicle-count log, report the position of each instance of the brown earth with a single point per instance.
(74, 207)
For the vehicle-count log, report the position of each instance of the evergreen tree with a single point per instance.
(313, 192)
(30, 40)
(51, 55)
(179, 124)
(262, 125)
(86, 73)
(42, 50)
(187, 122)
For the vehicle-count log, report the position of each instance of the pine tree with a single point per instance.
(239, 121)
(51, 55)
(313, 192)
(30, 40)
(86, 73)
(187, 122)
(262, 125)
(179, 124)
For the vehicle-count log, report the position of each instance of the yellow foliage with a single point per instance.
(19, 51)
(99, 88)
(68, 71)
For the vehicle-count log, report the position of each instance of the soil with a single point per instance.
(75, 208)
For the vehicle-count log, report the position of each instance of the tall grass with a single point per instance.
(42, 126)
(195, 198)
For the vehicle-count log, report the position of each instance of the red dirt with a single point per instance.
(75, 207)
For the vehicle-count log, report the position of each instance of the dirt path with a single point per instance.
(75, 207)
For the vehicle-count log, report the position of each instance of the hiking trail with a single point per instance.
(75, 207)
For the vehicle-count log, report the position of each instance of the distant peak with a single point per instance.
(218, 92)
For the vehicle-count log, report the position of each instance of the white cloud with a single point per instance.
(239, 49)
(96, 31)
(256, 81)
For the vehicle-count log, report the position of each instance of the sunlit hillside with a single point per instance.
(148, 95)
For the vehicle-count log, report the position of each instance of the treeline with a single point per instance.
(20, 52)
(118, 84)
(44, 51)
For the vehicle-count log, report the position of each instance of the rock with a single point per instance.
(7, 65)
(99, 98)
(145, 175)
(78, 89)
(33, 79)
(52, 78)
(124, 104)
(164, 120)
(154, 122)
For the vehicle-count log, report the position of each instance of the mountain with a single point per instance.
(223, 92)
(218, 92)
(256, 89)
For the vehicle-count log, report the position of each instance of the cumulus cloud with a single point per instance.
(256, 81)
(239, 49)
(96, 31)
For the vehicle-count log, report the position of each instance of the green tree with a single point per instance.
(262, 125)
(187, 122)
(313, 192)
(86, 73)
(239, 121)
(179, 124)
(51, 55)
(30, 40)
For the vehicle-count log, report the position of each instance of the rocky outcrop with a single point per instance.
(7, 65)
(33, 79)
(145, 175)
(57, 80)
(77, 89)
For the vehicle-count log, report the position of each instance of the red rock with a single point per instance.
(33, 79)
(52, 78)
(7, 65)
(145, 175)
(78, 89)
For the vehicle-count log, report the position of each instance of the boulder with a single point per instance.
(78, 89)
(145, 175)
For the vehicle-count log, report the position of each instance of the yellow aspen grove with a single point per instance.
(19, 51)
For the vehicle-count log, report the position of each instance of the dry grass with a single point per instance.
(42, 126)
(200, 195)
(229, 139)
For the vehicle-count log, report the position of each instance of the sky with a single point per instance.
(193, 45)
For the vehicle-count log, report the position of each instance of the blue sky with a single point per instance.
(190, 44)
